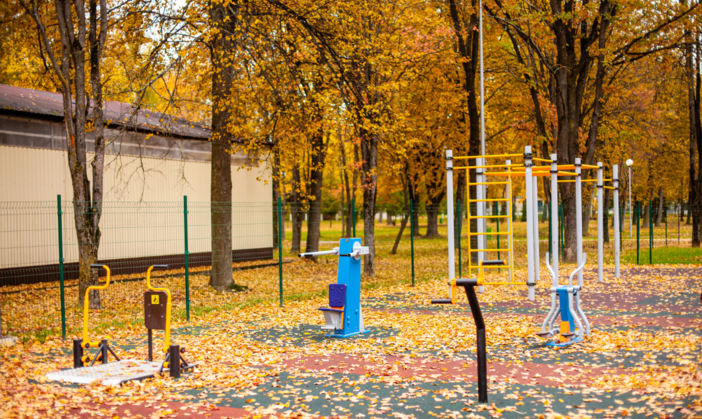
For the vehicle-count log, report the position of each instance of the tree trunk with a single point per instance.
(369, 152)
(645, 214)
(587, 210)
(693, 208)
(314, 214)
(296, 210)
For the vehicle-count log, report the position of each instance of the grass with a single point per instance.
(665, 255)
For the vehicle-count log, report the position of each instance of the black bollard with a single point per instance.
(77, 353)
(174, 360)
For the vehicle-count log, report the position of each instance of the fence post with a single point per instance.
(187, 257)
(353, 216)
(412, 236)
(497, 222)
(650, 232)
(638, 209)
(280, 251)
(61, 274)
(458, 238)
(666, 225)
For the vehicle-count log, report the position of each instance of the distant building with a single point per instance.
(152, 161)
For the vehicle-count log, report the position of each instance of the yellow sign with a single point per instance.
(154, 299)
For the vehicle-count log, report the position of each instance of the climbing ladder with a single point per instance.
(482, 249)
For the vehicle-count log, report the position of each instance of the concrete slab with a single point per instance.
(111, 374)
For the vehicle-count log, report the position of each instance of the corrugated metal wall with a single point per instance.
(143, 213)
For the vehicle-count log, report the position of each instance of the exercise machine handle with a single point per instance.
(334, 251)
(160, 266)
(96, 266)
(579, 268)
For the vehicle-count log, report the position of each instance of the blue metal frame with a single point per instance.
(349, 274)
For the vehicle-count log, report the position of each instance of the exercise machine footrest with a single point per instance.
(442, 301)
(493, 262)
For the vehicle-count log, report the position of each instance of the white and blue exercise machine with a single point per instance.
(344, 317)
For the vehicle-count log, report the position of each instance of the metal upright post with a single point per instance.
(281, 233)
(638, 230)
(458, 238)
(579, 218)
(412, 237)
(600, 218)
(535, 222)
(530, 230)
(554, 210)
(650, 231)
(449, 204)
(61, 272)
(497, 224)
(617, 221)
(187, 257)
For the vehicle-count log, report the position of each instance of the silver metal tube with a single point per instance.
(449, 209)
(537, 256)
(529, 195)
(615, 183)
(579, 332)
(579, 218)
(554, 216)
(334, 251)
(547, 324)
(600, 214)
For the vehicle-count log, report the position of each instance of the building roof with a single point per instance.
(117, 114)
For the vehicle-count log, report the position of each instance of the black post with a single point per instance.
(103, 351)
(174, 360)
(77, 353)
(151, 346)
(638, 230)
(480, 335)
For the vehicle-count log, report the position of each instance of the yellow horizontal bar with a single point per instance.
(488, 200)
(488, 250)
(490, 156)
(567, 173)
(501, 233)
(488, 183)
(504, 283)
(488, 166)
(608, 187)
(589, 166)
(494, 267)
(544, 160)
(487, 216)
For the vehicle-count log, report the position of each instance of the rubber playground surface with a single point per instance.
(641, 360)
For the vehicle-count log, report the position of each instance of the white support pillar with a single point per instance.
(529, 195)
(449, 209)
(554, 216)
(615, 183)
(579, 218)
(600, 213)
(537, 256)
(480, 194)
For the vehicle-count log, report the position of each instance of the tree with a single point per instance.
(74, 23)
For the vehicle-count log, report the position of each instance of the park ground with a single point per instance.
(257, 359)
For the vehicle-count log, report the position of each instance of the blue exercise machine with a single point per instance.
(344, 317)
(565, 300)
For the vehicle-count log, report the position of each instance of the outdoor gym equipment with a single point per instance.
(565, 300)
(80, 345)
(157, 316)
(344, 316)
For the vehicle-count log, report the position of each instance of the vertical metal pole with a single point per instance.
(561, 223)
(187, 258)
(61, 272)
(554, 221)
(174, 360)
(530, 230)
(481, 189)
(77, 353)
(151, 345)
(650, 232)
(412, 236)
(481, 239)
(458, 238)
(631, 210)
(353, 215)
(280, 251)
(510, 222)
(535, 222)
(579, 218)
(617, 221)
(480, 342)
(600, 213)
(449, 204)
(638, 230)
(665, 219)
(497, 212)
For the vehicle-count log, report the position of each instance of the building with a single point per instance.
(152, 162)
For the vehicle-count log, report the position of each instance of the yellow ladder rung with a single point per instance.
(488, 156)
(487, 183)
(488, 166)
(494, 266)
(488, 250)
(487, 216)
(501, 233)
(488, 200)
